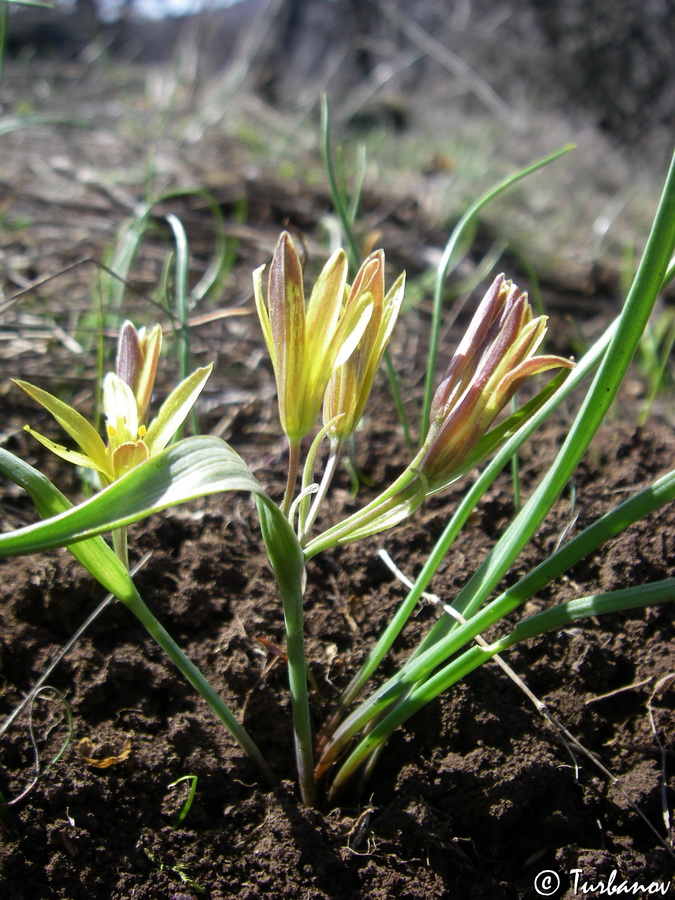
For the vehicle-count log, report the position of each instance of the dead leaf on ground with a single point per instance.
(86, 748)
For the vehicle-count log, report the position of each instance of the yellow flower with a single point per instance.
(491, 363)
(126, 395)
(306, 344)
(350, 386)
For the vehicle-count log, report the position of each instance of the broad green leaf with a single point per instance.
(190, 468)
(94, 554)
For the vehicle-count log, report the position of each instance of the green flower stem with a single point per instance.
(200, 684)
(307, 517)
(475, 656)
(302, 502)
(307, 521)
(121, 545)
(447, 641)
(397, 502)
(293, 466)
(286, 558)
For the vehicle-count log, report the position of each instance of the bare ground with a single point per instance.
(477, 794)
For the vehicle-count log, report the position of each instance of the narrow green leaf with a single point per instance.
(475, 656)
(94, 554)
(74, 457)
(447, 638)
(593, 605)
(181, 291)
(190, 468)
(467, 221)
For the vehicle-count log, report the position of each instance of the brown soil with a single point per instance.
(477, 794)
(472, 798)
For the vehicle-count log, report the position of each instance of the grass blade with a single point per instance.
(475, 656)
(458, 235)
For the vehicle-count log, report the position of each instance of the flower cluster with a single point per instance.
(494, 359)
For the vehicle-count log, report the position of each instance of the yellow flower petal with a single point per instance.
(127, 456)
(263, 314)
(150, 345)
(121, 411)
(71, 456)
(326, 299)
(74, 424)
(175, 409)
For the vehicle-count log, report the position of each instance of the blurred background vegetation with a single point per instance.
(112, 107)
(445, 94)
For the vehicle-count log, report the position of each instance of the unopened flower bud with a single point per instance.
(306, 345)
(494, 359)
(350, 386)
